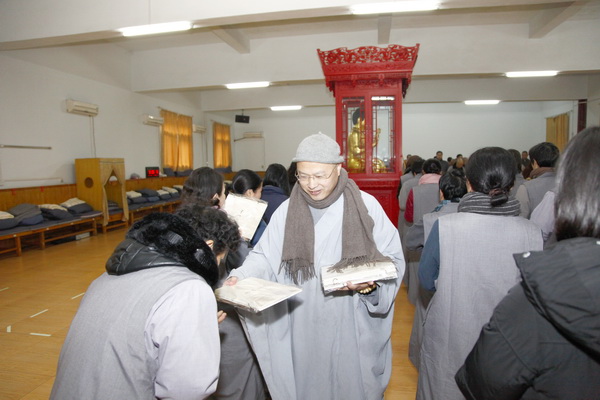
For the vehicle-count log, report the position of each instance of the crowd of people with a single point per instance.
(500, 254)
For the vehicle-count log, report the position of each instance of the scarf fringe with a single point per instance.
(298, 270)
(355, 262)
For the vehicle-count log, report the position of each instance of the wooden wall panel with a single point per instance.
(54, 194)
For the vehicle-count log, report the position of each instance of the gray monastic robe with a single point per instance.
(476, 271)
(324, 346)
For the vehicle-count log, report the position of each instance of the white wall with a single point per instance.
(32, 113)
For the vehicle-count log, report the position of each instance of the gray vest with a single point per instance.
(104, 355)
(476, 271)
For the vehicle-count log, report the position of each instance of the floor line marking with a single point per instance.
(4, 289)
(79, 295)
(9, 329)
(41, 312)
(40, 334)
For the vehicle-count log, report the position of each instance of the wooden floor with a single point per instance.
(40, 293)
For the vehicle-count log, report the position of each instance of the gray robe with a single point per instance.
(476, 271)
(324, 346)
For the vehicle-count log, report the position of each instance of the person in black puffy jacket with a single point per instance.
(543, 340)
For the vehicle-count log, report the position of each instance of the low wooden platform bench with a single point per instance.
(39, 235)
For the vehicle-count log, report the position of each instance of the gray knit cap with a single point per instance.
(319, 148)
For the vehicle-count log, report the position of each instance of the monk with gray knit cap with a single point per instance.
(319, 345)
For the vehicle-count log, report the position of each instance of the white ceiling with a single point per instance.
(466, 45)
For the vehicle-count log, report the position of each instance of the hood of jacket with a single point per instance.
(163, 240)
(563, 284)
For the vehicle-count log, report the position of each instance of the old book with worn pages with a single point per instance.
(378, 271)
(254, 294)
(246, 211)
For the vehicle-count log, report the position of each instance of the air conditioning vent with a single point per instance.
(198, 128)
(81, 108)
(253, 135)
(152, 120)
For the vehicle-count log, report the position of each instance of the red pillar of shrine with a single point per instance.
(369, 84)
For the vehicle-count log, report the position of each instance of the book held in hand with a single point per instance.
(246, 211)
(377, 271)
(254, 294)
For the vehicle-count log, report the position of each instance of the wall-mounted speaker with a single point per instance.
(242, 119)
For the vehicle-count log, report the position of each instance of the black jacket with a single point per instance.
(163, 240)
(543, 341)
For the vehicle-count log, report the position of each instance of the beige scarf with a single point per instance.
(358, 246)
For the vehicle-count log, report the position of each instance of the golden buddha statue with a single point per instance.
(356, 148)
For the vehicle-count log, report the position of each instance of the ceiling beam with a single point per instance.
(234, 38)
(544, 22)
(384, 27)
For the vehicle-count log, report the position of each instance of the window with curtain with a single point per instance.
(221, 145)
(557, 130)
(177, 148)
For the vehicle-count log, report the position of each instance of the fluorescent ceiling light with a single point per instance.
(246, 85)
(286, 108)
(527, 74)
(156, 28)
(481, 102)
(394, 7)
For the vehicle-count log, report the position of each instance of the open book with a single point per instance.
(254, 294)
(378, 271)
(246, 211)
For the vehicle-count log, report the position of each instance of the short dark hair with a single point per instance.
(432, 166)
(453, 185)
(545, 154)
(417, 166)
(492, 169)
(211, 224)
(577, 204)
(202, 185)
(276, 175)
(244, 180)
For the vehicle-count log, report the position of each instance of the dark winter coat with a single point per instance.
(543, 341)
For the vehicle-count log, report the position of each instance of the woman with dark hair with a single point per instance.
(432, 172)
(248, 183)
(147, 327)
(276, 189)
(542, 340)
(205, 185)
(467, 262)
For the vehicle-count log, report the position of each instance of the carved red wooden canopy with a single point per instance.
(368, 65)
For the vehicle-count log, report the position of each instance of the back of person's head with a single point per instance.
(244, 180)
(453, 185)
(202, 185)
(518, 160)
(432, 166)
(211, 224)
(411, 160)
(577, 203)
(492, 170)
(545, 154)
(276, 175)
(417, 166)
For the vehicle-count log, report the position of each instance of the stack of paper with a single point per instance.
(254, 294)
(246, 211)
(379, 271)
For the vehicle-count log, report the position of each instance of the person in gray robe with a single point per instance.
(317, 345)
(467, 260)
(452, 188)
(543, 178)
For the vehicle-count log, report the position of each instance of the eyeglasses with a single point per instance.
(317, 178)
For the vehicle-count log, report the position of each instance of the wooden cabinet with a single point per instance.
(96, 185)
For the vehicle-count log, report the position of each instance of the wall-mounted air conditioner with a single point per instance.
(198, 128)
(81, 108)
(152, 120)
(253, 135)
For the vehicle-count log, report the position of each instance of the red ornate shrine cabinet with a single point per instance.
(369, 84)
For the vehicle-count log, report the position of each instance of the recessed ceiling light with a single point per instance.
(481, 102)
(246, 85)
(394, 7)
(156, 28)
(528, 74)
(286, 108)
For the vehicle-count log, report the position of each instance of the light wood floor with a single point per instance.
(40, 293)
